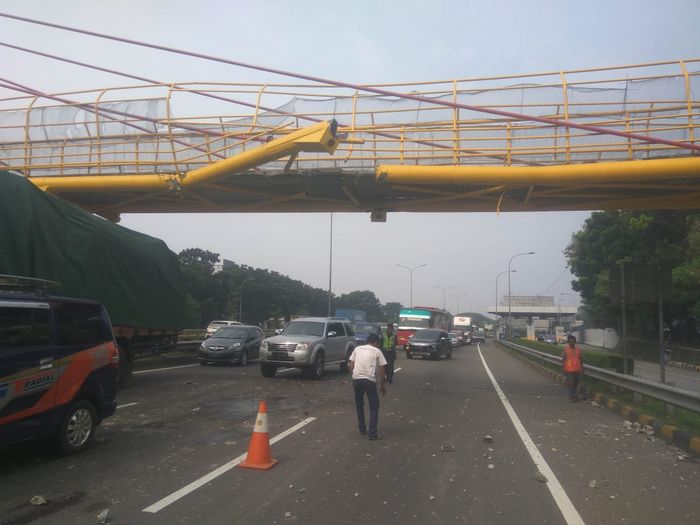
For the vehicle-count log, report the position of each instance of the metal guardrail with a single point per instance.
(671, 395)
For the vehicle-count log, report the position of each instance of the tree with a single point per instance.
(390, 312)
(362, 300)
(610, 238)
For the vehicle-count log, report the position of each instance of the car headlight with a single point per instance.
(302, 347)
(202, 346)
(263, 346)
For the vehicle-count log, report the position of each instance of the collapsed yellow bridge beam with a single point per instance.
(320, 137)
(562, 175)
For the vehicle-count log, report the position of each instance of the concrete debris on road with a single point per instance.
(39, 500)
(540, 477)
(103, 516)
(491, 466)
(593, 484)
(287, 514)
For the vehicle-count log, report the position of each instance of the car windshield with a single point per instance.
(304, 328)
(427, 334)
(366, 328)
(231, 332)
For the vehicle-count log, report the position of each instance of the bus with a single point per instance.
(411, 319)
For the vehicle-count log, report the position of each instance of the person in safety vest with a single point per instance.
(573, 366)
(389, 351)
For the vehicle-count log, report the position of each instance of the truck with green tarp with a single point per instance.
(135, 276)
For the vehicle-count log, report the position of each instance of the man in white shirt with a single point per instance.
(366, 364)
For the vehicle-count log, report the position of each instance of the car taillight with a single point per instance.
(115, 359)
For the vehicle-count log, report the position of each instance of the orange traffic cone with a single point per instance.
(259, 449)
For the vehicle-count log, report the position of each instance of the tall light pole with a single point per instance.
(497, 277)
(444, 293)
(510, 325)
(410, 271)
(459, 308)
(240, 305)
(330, 268)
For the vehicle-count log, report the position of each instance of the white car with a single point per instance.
(215, 325)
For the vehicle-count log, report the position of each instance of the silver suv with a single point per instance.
(308, 343)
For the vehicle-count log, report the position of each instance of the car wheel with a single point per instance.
(268, 370)
(244, 358)
(344, 365)
(315, 371)
(77, 427)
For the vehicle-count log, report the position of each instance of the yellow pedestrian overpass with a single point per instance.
(623, 137)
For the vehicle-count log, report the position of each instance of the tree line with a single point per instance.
(255, 295)
(662, 238)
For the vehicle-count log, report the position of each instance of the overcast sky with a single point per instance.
(364, 41)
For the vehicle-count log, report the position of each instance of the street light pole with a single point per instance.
(410, 271)
(510, 325)
(240, 305)
(330, 267)
(497, 277)
(444, 293)
(459, 307)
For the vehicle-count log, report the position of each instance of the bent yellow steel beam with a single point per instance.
(321, 137)
(624, 171)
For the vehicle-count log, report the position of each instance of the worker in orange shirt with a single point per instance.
(573, 366)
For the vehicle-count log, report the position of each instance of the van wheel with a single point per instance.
(268, 370)
(77, 427)
(315, 371)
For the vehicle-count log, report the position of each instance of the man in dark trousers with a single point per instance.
(573, 366)
(367, 366)
(389, 351)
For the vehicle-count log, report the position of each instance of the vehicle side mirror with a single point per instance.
(278, 331)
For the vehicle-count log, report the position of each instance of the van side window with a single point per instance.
(20, 327)
(80, 323)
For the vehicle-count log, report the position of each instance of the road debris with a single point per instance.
(287, 515)
(39, 500)
(540, 477)
(593, 484)
(487, 439)
(491, 466)
(103, 517)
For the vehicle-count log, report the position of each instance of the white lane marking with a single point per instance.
(161, 369)
(161, 504)
(397, 370)
(127, 405)
(567, 508)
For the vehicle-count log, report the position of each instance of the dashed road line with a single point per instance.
(126, 405)
(567, 508)
(184, 491)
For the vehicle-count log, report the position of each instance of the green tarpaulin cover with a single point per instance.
(135, 276)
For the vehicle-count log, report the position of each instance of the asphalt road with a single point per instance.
(176, 426)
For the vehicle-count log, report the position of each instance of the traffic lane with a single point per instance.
(186, 422)
(686, 379)
(432, 465)
(611, 474)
